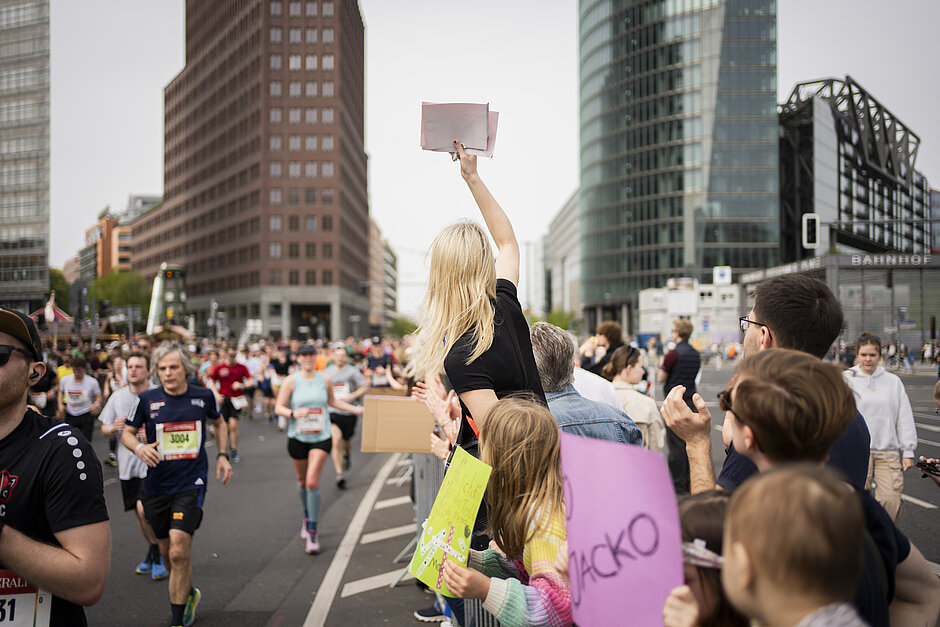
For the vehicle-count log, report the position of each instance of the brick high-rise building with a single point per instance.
(265, 200)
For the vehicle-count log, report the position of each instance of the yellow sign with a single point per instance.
(447, 530)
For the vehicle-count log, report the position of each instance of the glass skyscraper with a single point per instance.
(679, 144)
(24, 153)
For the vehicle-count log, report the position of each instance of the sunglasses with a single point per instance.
(724, 402)
(6, 350)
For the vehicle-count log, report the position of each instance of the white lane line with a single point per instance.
(320, 608)
(385, 534)
(404, 461)
(398, 500)
(930, 442)
(108, 482)
(392, 481)
(373, 583)
(935, 567)
(915, 501)
(933, 428)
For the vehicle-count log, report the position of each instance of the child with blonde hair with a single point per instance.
(519, 439)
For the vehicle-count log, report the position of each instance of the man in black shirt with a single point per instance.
(54, 530)
(680, 367)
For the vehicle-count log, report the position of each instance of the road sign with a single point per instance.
(117, 318)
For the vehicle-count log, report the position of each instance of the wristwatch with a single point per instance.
(225, 455)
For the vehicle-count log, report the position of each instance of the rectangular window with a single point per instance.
(327, 250)
(326, 196)
(295, 89)
(275, 61)
(311, 35)
(310, 170)
(274, 143)
(310, 143)
(293, 143)
(327, 89)
(274, 250)
(311, 62)
(293, 250)
(311, 277)
(294, 62)
(310, 115)
(311, 89)
(275, 277)
(327, 142)
(275, 35)
(327, 115)
(293, 222)
(274, 223)
(295, 8)
(275, 89)
(275, 116)
(326, 169)
(311, 196)
(275, 7)
(275, 169)
(327, 62)
(327, 274)
(293, 277)
(274, 196)
(327, 35)
(294, 35)
(310, 223)
(311, 250)
(327, 9)
(311, 9)
(327, 222)
(293, 115)
(293, 169)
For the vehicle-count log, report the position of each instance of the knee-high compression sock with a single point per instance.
(313, 507)
(112, 445)
(302, 491)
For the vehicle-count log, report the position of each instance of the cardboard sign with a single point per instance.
(394, 424)
(386, 391)
(447, 530)
(623, 531)
(441, 124)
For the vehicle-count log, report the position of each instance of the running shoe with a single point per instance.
(341, 482)
(304, 532)
(145, 566)
(430, 615)
(313, 543)
(159, 571)
(189, 612)
(235, 457)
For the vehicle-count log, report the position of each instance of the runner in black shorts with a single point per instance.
(348, 385)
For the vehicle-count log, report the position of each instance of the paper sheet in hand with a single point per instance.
(490, 139)
(624, 540)
(441, 124)
(446, 533)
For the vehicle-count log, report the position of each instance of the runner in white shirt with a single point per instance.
(79, 399)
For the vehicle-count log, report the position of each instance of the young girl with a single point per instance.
(519, 439)
(625, 369)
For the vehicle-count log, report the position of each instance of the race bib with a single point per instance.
(314, 422)
(21, 603)
(239, 402)
(76, 397)
(179, 440)
(340, 389)
(39, 400)
(379, 381)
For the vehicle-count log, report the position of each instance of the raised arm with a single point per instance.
(497, 222)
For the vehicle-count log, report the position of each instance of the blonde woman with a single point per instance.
(473, 326)
(625, 368)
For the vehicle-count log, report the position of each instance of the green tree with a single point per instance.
(60, 286)
(560, 318)
(122, 288)
(401, 326)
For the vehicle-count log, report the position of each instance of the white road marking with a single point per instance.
(933, 428)
(404, 461)
(385, 534)
(915, 501)
(930, 442)
(373, 583)
(398, 500)
(108, 482)
(320, 608)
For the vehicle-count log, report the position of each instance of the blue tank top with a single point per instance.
(309, 393)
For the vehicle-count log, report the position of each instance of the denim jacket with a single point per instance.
(580, 416)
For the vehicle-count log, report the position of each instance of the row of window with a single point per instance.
(23, 47)
(22, 78)
(15, 145)
(296, 9)
(300, 35)
(311, 169)
(275, 223)
(275, 196)
(14, 111)
(293, 250)
(275, 277)
(308, 62)
(19, 14)
(296, 143)
(22, 174)
(298, 89)
(298, 115)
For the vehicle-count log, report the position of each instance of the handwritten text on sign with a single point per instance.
(623, 531)
(446, 533)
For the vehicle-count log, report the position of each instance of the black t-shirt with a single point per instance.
(886, 548)
(50, 481)
(497, 369)
(849, 455)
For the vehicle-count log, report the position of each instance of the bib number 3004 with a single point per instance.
(180, 440)
(21, 603)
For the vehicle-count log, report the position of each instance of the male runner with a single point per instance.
(54, 533)
(350, 386)
(174, 418)
(230, 379)
(132, 470)
(79, 399)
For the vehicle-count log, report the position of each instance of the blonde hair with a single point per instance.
(461, 291)
(519, 439)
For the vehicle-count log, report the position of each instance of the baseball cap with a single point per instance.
(22, 327)
(338, 345)
(307, 349)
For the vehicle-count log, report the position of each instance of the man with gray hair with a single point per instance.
(554, 352)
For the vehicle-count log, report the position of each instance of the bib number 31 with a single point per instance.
(21, 603)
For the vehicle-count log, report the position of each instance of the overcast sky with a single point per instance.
(112, 58)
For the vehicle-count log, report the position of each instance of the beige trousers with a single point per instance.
(885, 470)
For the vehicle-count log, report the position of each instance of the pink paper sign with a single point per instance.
(624, 540)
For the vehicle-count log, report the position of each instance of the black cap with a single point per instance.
(22, 327)
(307, 349)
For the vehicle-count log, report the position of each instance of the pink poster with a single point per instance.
(624, 541)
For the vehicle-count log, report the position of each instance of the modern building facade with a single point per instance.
(849, 160)
(265, 201)
(563, 261)
(24, 153)
(678, 145)
(935, 221)
(382, 287)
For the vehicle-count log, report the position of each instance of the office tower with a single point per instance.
(678, 145)
(24, 153)
(265, 202)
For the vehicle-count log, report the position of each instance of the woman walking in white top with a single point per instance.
(881, 399)
(625, 368)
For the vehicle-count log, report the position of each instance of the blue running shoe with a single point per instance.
(159, 570)
(145, 566)
(189, 613)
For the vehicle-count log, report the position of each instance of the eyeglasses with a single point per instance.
(724, 401)
(6, 350)
(744, 322)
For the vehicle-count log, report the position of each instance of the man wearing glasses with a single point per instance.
(55, 539)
